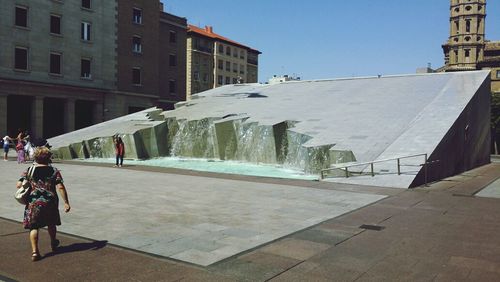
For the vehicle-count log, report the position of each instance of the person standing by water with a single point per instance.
(42, 208)
(119, 150)
(6, 144)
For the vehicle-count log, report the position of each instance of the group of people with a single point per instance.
(42, 201)
(22, 144)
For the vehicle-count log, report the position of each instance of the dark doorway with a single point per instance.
(84, 111)
(53, 117)
(132, 110)
(18, 114)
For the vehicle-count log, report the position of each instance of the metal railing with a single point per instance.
(345, 168)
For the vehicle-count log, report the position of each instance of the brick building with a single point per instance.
(214, 60)
(65, 65)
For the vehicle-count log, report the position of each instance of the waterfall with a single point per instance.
(194, 139)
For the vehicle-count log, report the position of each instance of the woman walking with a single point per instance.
(119, 151)
(6, 145)
(42, 208)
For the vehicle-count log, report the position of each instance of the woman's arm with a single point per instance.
(64, 196)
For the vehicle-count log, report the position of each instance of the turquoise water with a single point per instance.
(231, 167)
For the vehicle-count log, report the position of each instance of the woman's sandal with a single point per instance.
(35, 256)
(54, 244)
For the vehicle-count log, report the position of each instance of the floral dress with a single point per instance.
(42, 208)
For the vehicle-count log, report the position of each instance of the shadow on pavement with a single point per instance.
(78, 247)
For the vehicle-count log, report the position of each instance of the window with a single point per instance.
(467, 25)
(173, 37)
(221, 48)
(21, 58)
(457, 27)
(21, 16)
(467, 55)
(85, 69)
(55, 63)
(219, 79)
(235, 67)
(55, 24)
(242, 69)
(220, 64)
(85, 36)
(136, 76)
(196, 76)
(228, 66)
(228, 51)
(228, 80)
(242, 54)
(172, 86)
(136, 44)
(205, 77)
(498, 73)
(172, 60)
(86, 4)
(137, 15)
(235, 53)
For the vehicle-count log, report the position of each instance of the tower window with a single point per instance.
(136, 44)
(173, 37)
(85, 69)
(85, 32)
(21, 16)
(467, 25)
(457, 27)
(172, 61)
(55, 63)
(172, 86)
(137, 16)
(55, 24)
(86, 4)
(21, 58)
(468, 8)
(136, 76)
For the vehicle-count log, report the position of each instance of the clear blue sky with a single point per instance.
(318, 39)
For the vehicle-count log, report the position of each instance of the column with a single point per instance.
(3, 116)
(37, 117)
(69, 115)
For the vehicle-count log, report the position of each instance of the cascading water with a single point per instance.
(255, 144)
(194, 139)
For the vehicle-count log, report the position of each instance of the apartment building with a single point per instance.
(213, 61)
(66, 64)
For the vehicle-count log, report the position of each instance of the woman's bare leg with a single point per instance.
(34, 240)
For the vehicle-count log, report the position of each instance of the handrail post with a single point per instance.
(346, 172)
(371, 165)
(425, 169)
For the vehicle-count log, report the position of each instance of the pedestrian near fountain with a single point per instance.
(41, 209)
(6, 147)
(119, 150)
(20, 151)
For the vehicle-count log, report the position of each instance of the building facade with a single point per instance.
(213, 61)
(65, 65)
(467, 48)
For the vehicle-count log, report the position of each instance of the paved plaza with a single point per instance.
(444, 232)
(195, 219)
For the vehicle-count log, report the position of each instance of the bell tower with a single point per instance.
(465, 46)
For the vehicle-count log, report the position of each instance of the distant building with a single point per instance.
(278, 79)
(467, 47)
(213, 61)
(65, 65)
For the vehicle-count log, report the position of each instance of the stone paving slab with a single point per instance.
(198, 220)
